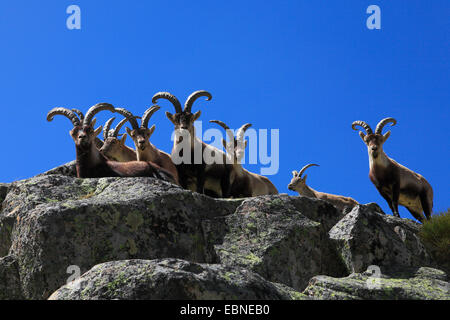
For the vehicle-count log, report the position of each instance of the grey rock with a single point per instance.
(272, 236)
(366, 237)
(69, 169)
(410, 284)
(58, 221)
(170, 279)
(10, 285)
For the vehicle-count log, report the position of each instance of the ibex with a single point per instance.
(98, 142)
(115, 148)
(195, 173)
(298, 183)
(145, 150)
(90, 163)
(243, 183)
(396, 183)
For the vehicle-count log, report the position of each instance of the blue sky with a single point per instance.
(307, 68)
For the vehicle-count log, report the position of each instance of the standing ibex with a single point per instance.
(396, 183)
(115, 148)
(298, 183)
(193, 171)
(90, 163)
(145, 150)
(243, 183)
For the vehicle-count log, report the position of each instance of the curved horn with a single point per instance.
(194, 96)
(148, 114)
(107, 127)
(384, 122)
(241, 131)
(227, 129)
(79, 113)
(115, 132)
(362, 124)
(168, 96)
(127, 114)
(306, 167)
(96, 109)
(64, 112)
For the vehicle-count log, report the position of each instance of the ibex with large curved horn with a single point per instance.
(145, 150)
(396, 183)
(114, 148)
(201, 167)
(90, 163)
(243, 183)
(298, 183)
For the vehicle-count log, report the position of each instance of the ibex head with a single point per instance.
(140, 134)
(298, 182)
(83, 132)
(113, 145)
(183, 118)
(374, 141)
(235, 148)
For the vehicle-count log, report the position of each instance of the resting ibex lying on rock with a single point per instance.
(298, 183)
(193, 171)
(145, 150)
(90, 163)
(396, 183)
(243, 183)
(115, 148)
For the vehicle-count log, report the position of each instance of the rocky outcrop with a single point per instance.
(3, 191)
(367, 237)
(273, 236)
(171, 279)
(410, 284)
(267, 247)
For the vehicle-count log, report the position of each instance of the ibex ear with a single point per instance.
(170, 117)
(304, 178)
(245, 144)
(197, 115)
(386, 136)
(294, 173)
(123, 139)
(128, 131)
(93, 122)
(362, 135)
(98, 131)
(151, 130)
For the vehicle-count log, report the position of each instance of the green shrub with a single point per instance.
(435, 235)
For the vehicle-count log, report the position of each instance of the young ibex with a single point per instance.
(396, 183)
(298, 183)
(243, 183)
(145, 150)
(195, 173)
(115, 148)
(90, 163)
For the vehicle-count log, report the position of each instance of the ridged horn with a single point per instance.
(64, 112)
(96, 109)
(168, 96)
(241, 131)
(306, 167)
(194, 96)
(107, 127)
(116, 130)
(384, 122)
(227, 129)
(79, 113)
(148, 114)
(363, 125)
(127, 114)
